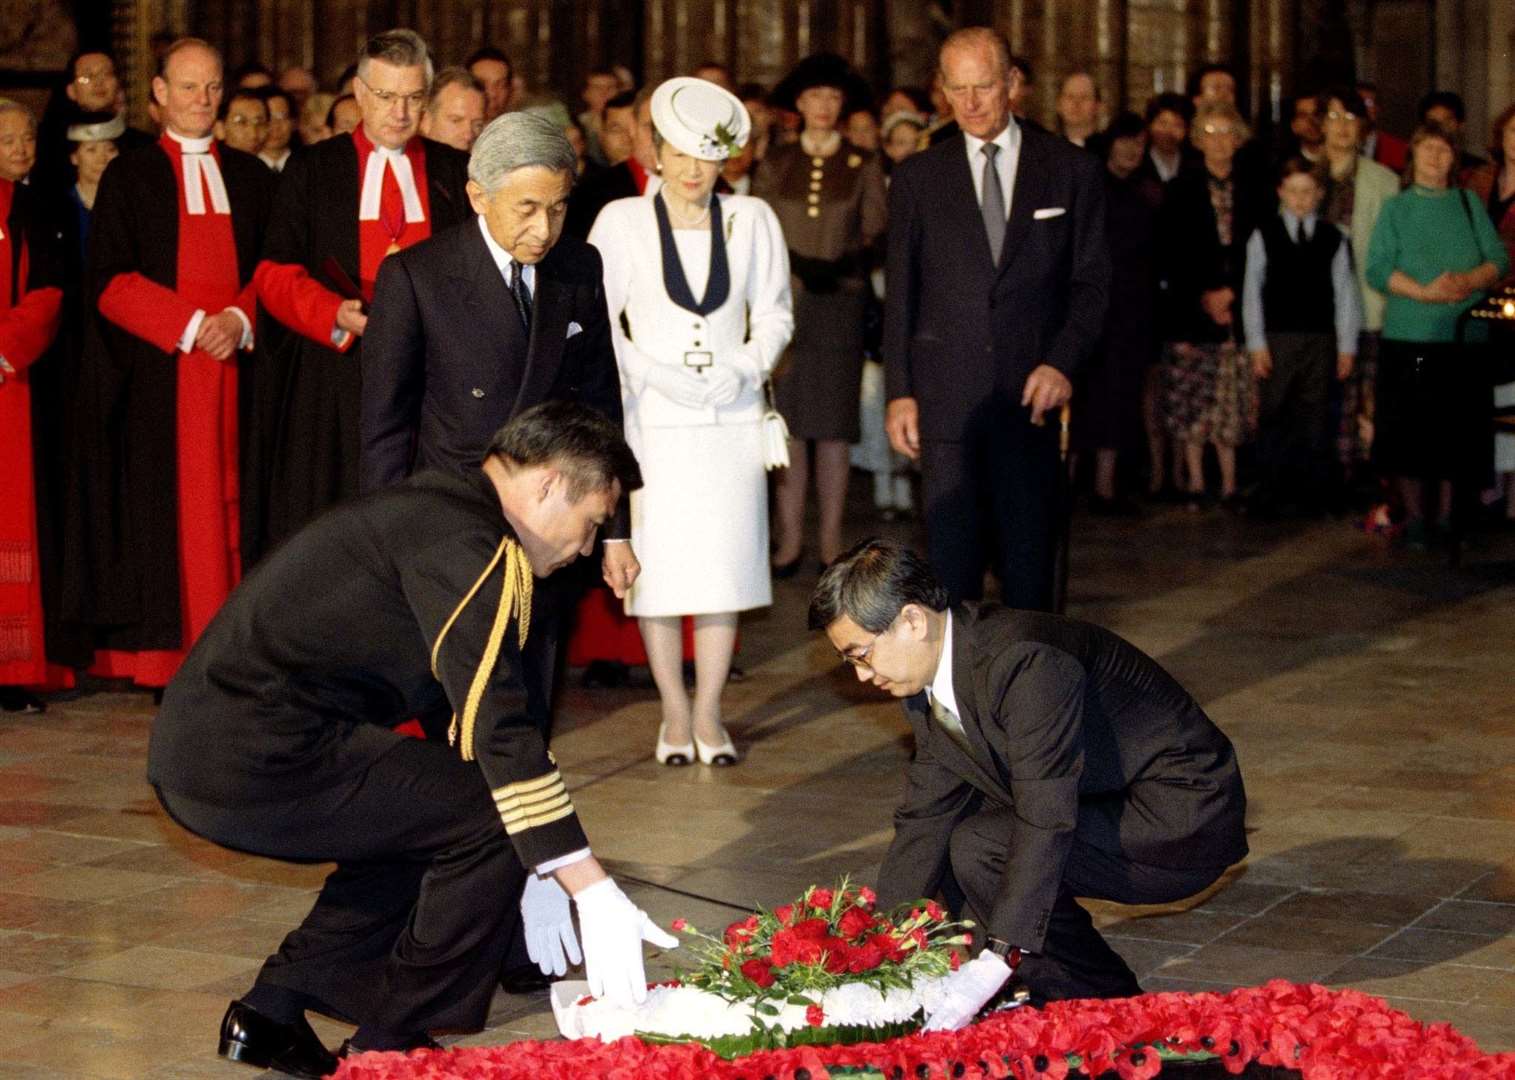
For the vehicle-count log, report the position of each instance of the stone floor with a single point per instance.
(1368, 691)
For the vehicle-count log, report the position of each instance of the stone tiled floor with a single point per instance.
(1369, 693)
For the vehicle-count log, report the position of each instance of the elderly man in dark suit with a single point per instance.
(998, 279)
(1052, 760)
(489, 318)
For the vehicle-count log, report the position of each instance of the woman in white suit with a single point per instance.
(703, 283)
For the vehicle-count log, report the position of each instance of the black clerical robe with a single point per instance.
(123, 576)
(309, 385)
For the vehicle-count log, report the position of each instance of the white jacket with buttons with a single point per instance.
(748, 333)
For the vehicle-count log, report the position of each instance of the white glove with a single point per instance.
(722, 385)
(548, 920)
(967, 990)
(678, 384)
(614, 929)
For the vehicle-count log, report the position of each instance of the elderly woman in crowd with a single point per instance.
(702, 282)
(1434, 251)
(829, 196)
(1355, 190)
(1495, 185)
(1208, 214)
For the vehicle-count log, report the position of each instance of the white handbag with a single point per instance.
(775, 433)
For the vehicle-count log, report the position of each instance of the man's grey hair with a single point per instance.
(8, 105)
(402, 48)
(516, 141)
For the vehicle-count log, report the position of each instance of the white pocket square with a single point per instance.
(1049, 211)
(574, 328)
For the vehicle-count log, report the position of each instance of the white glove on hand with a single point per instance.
(722, 385)
(967, 990)
(548, 920)
(679, 385)
(614, 929)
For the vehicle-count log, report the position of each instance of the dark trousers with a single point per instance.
(1293, 409)
(1074, 960)
(991, 501)
(410, 931)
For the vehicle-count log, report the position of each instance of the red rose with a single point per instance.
(812, 929)
(679, 925)
(867, 896)
(956, 961)
(790, 948)
(738, 933)
(820, 899)
(814, 1016)
(837, 955)
(759, 971)
(864, 958)
(934, 911)
(854, 923)
(890, 946)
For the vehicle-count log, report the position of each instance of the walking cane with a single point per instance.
(1064, 519)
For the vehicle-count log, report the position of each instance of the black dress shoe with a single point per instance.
(526, 979)
(254, 1039)
(405, 1045)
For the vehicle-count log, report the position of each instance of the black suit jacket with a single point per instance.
(593, 193)
(961, 334)
(1079, 733)
(446, 361)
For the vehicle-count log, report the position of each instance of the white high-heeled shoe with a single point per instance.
(721, 754)
(675, 754)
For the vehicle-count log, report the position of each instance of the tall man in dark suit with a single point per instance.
(1052, 760)
(998, 279)
(489, 318)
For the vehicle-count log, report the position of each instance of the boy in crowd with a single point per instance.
(1300, 308)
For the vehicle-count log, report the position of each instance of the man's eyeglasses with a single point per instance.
(86, 77)
(246, 121)
(862, 658)
(386, 98)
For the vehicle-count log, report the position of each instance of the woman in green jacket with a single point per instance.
(1433, 253)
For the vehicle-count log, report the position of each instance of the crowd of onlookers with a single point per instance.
(1287, 327)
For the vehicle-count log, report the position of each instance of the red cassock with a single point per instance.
(206, 420)
(290, 294)
(28, 322)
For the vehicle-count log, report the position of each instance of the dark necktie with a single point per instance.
(993, 203)
(1299, 232)
(522, 294)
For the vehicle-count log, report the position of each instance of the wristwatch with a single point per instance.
(1010, 954)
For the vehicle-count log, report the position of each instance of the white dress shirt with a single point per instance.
(940, 690)
(1007, 161)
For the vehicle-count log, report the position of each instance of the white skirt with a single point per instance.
(700, 522)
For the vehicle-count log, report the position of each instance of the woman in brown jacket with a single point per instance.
(829, 196)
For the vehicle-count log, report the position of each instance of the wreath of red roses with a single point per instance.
(1318, 1033)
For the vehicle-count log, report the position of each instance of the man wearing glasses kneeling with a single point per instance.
(1052, 760)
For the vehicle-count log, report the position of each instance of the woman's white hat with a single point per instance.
(700, 119)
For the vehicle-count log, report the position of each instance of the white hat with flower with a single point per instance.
(700, 119)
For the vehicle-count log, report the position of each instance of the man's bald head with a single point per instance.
(188, 87)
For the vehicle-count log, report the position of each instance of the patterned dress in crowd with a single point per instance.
(1208, 392)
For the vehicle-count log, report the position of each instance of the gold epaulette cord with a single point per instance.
(515, 595)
